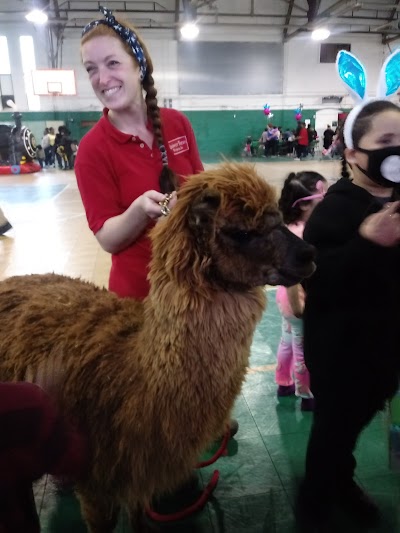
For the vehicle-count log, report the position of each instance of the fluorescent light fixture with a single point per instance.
(11, 104)
(320, 34)
(37, 17)
(189, 31)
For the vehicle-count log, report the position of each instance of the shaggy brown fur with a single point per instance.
(152, 384)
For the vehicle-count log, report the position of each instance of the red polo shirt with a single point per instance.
(115, 168)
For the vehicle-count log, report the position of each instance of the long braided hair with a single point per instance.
(168, 180)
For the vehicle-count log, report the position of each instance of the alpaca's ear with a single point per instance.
(204, 207)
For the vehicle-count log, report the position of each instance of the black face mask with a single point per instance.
(383, 165)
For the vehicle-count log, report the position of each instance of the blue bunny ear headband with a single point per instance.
(353, 74)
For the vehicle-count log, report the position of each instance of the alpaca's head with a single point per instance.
(226, 230)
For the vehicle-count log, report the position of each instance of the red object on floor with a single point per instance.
(26, 168)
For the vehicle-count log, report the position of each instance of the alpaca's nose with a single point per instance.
(306, 253)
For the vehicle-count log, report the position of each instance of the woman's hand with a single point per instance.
(383, 227)
(121, 231)
(151, 202)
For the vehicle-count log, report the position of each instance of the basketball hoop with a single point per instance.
(54, 82)
(54, 88)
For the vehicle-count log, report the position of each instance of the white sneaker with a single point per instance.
(296, 159)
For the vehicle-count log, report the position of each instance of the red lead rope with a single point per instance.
(205, 495)
(221, 450)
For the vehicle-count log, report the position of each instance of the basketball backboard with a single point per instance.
(48, 82)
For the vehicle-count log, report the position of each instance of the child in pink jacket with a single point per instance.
(300, 193)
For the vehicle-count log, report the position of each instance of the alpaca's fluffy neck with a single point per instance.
(204, 330)
(196, 350)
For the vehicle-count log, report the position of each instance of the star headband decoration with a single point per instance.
(126, 34)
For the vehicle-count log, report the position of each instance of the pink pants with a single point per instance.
(290, 358)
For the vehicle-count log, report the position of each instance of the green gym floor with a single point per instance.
(258, 478)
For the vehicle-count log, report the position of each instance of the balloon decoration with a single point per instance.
(267, 110)
(298, 115)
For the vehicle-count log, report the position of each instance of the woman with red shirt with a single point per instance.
(133, 157)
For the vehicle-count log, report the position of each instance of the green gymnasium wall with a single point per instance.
(224, 132)
(218, 133)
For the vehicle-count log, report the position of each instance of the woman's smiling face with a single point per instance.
(113, 73)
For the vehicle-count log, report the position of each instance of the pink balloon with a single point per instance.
(298, 116)
(267, 111)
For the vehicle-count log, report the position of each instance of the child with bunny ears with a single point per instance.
(352, 310)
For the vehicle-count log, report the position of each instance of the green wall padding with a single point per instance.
(224, 132)
(218, 133)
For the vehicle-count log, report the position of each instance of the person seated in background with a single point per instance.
(288, 138)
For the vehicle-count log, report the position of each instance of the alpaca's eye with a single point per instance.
(239, 236)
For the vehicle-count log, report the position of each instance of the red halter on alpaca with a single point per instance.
(203, 499)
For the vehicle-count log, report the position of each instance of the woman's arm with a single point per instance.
(114, 225)
(118, 232)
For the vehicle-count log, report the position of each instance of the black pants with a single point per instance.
(341, 412)
(301, 151)
(18, 511)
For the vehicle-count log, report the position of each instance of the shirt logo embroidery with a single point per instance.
(179, 145)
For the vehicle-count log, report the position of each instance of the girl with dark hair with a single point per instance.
(300, 194)
(352, 311)
(131, 162)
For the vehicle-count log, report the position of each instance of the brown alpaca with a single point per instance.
(153, 384)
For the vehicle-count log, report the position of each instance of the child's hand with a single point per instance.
(383, 227)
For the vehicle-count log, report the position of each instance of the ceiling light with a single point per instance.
(37, 17)
(11, 104)
(320, 34)
(189, 31)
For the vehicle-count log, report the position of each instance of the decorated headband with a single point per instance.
(126, 34)
(353, 74)
(319, 186)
